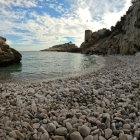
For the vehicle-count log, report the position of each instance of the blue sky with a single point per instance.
(39, 24)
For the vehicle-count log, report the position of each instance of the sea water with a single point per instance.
(39, 66)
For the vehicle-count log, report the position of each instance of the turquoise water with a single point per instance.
(36, 66)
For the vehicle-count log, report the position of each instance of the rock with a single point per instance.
(90, 137)
(118, 39)
(5, 95)
(68, 126)
(20, 136)
(34, 107)
(95, 137)
(119, 119)
(61, 131)
(44, 136)
(76, 136)
(58, 138)
(126, 126)
(95, 132)
(116, 132)
(122, 136)
(35, 137)
(75, 90)
(13, 134)
(31, 90)
(137, 134)
(11, 139)
(108, 133)
(36, 125)
(8, 55)
(113, 138)
(101, 138)
(129, 137)
(84, 130)
(101, 126)
(28, 126)
(50, 127)
(67, 47)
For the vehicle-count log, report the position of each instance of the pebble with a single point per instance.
(31, 90)
(13, 134)
(102, 105)
(28, 126)
(126, 126)
(95, 137)
(95, 132)
(101, 138)
(84, 130)
(113, 138)
(20, 136)
(137, 134)
(76, 136)
(36, 125)
(122, 136)
(68, 126)
(58, 138)
(108, 133)
(62, 131)
(90, 137)
(50, 127)
(45, 136)
(129, 137)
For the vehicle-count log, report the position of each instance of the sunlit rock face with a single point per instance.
(8, 55)
(124, 38)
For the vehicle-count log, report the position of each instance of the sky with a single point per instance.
(39, 24)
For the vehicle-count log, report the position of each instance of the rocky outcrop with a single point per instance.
(67, 47)
(8, 55)
(124, 38)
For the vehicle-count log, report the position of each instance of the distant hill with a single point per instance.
(67, 47)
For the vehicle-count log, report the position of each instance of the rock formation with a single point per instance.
(67, 47)
(124, 38)
(8, 55)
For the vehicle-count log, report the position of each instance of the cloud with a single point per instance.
(36, 31)
(110, 18)
(20, 3)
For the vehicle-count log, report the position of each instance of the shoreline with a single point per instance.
(101, 105)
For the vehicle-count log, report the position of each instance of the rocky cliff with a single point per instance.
(124, 38)
(8, 55)
(67, 47)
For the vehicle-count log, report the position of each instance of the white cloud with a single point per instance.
(45, 30)
(110, 18)
(9, 42)
(21, 3)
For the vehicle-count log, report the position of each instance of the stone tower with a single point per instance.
(88, 34)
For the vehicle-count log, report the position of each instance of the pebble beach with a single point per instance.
(103, 105)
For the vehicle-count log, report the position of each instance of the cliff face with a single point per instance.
(8, 55)
(67, 47)
(124, 38)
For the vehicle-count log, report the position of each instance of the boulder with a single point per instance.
(8, 55)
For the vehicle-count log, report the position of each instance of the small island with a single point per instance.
(67, 47)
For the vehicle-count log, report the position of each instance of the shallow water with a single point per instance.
(36, 66)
